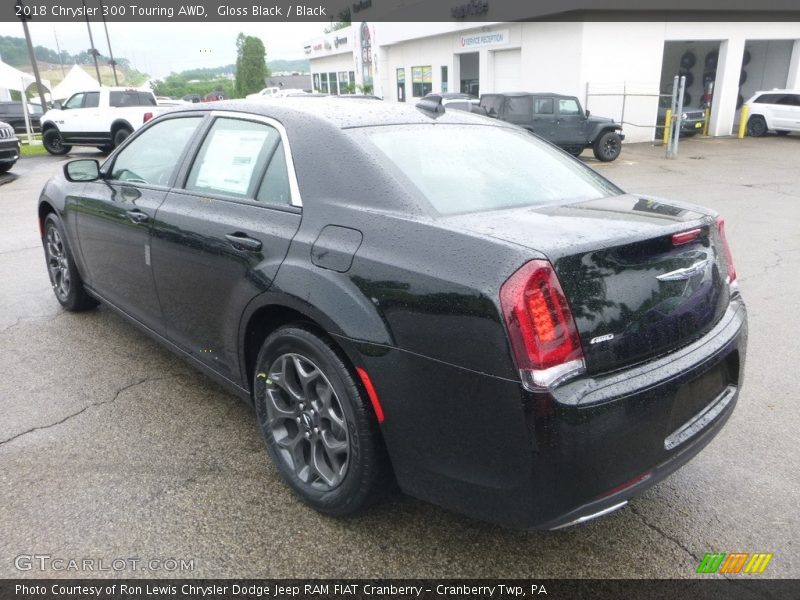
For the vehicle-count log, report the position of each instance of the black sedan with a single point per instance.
(417, 296)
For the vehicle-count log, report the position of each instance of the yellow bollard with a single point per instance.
(707, 118)
(743, 120)
(667, 125)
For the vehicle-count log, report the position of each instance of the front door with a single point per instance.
(570, 122)
(116, 213)
(221, 235)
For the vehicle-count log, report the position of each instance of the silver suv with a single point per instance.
(776, 110)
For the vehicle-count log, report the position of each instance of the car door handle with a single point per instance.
(242, 241)
(137, 216)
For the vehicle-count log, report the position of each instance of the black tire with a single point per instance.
(331, 453)
(756, 126)
(746, 58)
(54, 143)
(688, 60)
(6, 167)
(120, 135)
(608, 146)
(782, 132)
(64, 277)
(575, 151)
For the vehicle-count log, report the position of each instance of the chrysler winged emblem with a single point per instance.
(686, 272)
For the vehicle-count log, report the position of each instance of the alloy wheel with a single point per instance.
(611, 147)
(58, 263)
(307, 422)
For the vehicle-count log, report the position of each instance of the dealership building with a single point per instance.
(621, 70)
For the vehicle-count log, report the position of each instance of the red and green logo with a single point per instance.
(734, 562)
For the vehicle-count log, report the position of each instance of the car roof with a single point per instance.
(777, 92)
(519, 94)
(343, 114)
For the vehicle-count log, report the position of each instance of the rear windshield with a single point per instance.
(469, 168)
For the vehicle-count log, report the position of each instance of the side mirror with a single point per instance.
(85, 169)
(492, 112)
(588, 114)
(57, 105)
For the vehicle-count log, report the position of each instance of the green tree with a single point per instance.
(251, 65)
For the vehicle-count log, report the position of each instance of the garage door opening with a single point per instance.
(469, 67)
(697, 61)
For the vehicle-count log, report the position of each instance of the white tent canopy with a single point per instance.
(77, 80)
(16, 80)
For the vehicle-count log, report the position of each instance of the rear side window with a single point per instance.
(468, 168)
(519, 108)
(275, 185)
(543, 106)
(131, 98)
(787, 100)
(232, 158)
(492, 103)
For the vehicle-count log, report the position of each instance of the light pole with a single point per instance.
(112, 62)
(35, 66)
(92, 50)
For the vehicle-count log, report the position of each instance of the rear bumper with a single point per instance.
(483, 446)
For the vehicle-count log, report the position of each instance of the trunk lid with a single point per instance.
(634, 292)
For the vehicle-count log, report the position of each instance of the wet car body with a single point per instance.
(414, 298)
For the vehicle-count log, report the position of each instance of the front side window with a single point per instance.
(421, 81)
(568, 107)
(232, 158)
(153, 156)
(75, 102)
(468, 168)
(766, 99)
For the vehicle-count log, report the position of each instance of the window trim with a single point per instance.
(294, 190)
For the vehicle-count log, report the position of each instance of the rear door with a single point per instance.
(222, 233)
(544, 117)
(116, 214)
(786, 112)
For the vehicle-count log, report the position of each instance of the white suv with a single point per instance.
(778, 110)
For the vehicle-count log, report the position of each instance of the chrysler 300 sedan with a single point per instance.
(413, 295)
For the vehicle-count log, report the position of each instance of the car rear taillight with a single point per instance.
(147, 117)
(727, 248)
(542, 332)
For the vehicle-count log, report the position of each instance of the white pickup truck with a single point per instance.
(102, 118)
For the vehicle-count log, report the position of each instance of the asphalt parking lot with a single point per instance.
(111, 447)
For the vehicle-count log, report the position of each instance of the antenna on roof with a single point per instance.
(431, 103)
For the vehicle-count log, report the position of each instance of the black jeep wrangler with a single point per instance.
(558, 119)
